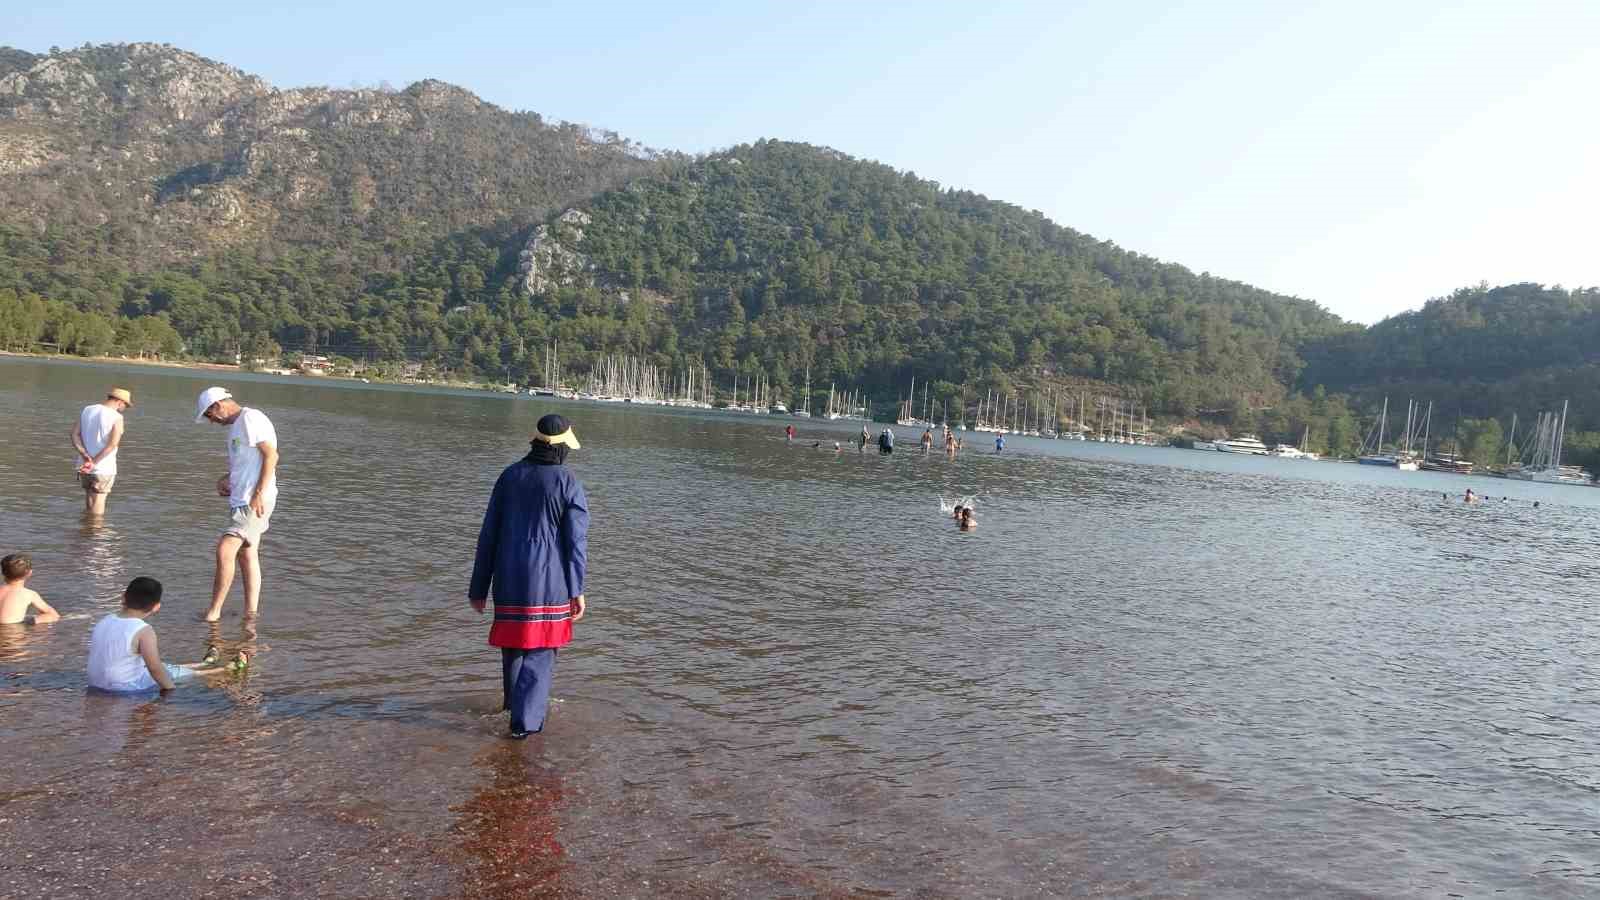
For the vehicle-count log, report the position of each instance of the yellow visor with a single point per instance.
(565, 437)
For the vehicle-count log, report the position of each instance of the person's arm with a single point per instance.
(269, 471)
(77, 443)
(488, 544)
(46, 613)
(145, 643)
(575, 537)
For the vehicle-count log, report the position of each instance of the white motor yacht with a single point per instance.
(1246, 443)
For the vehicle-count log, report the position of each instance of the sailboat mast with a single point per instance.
(1561, 437)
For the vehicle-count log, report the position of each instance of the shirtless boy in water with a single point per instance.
(16, 599)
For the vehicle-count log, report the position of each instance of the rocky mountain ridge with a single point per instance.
(181, 155)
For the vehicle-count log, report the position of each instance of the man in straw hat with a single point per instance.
(533, 549)
(251, 487)
(96, 437)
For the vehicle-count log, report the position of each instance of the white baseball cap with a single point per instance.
(207, 397)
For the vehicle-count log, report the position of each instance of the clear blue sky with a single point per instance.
(1367, 155)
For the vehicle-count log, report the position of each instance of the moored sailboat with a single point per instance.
(1372, 452)
(1545, 466)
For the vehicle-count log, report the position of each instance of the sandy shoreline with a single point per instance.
(230, 368)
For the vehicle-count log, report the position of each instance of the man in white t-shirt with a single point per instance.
(251, 487)
(96, 437)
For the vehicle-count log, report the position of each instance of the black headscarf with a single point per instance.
(542, 454)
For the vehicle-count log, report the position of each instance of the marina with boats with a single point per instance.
(1414, 449)
(1536, 455)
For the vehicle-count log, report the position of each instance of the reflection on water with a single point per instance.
(509, 827)
(97, 555)
(114, 723)
(19, 642)
(1149, 672)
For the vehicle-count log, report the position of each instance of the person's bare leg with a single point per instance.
(88, 501)
(227, 549)
(97, 503)
(250, 563)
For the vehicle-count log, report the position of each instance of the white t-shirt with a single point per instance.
(244, 460)
(96, 422)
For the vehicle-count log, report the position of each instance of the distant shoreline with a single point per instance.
(127, 360)
(231, 368)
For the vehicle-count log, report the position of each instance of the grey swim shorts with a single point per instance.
(243, 521)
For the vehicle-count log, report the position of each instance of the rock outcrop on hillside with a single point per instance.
(549, 258)
(182, 154)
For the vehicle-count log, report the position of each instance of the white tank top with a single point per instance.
(113, 666)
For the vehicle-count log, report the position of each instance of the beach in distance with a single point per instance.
(1150, 672)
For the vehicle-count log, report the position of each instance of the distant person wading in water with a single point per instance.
(533, 551)
(865, 436)
(999, 443)
(96, 437)
(886, 441)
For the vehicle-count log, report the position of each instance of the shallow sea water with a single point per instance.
(1148, 672)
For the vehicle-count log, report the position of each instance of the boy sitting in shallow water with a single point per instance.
(16, 598)
(123, 655)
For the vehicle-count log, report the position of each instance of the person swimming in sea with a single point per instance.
(968, 523)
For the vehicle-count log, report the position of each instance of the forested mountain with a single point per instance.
(1481, 352)
(152, 201)
(777, 256)
(140, 180)
(144, 183)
